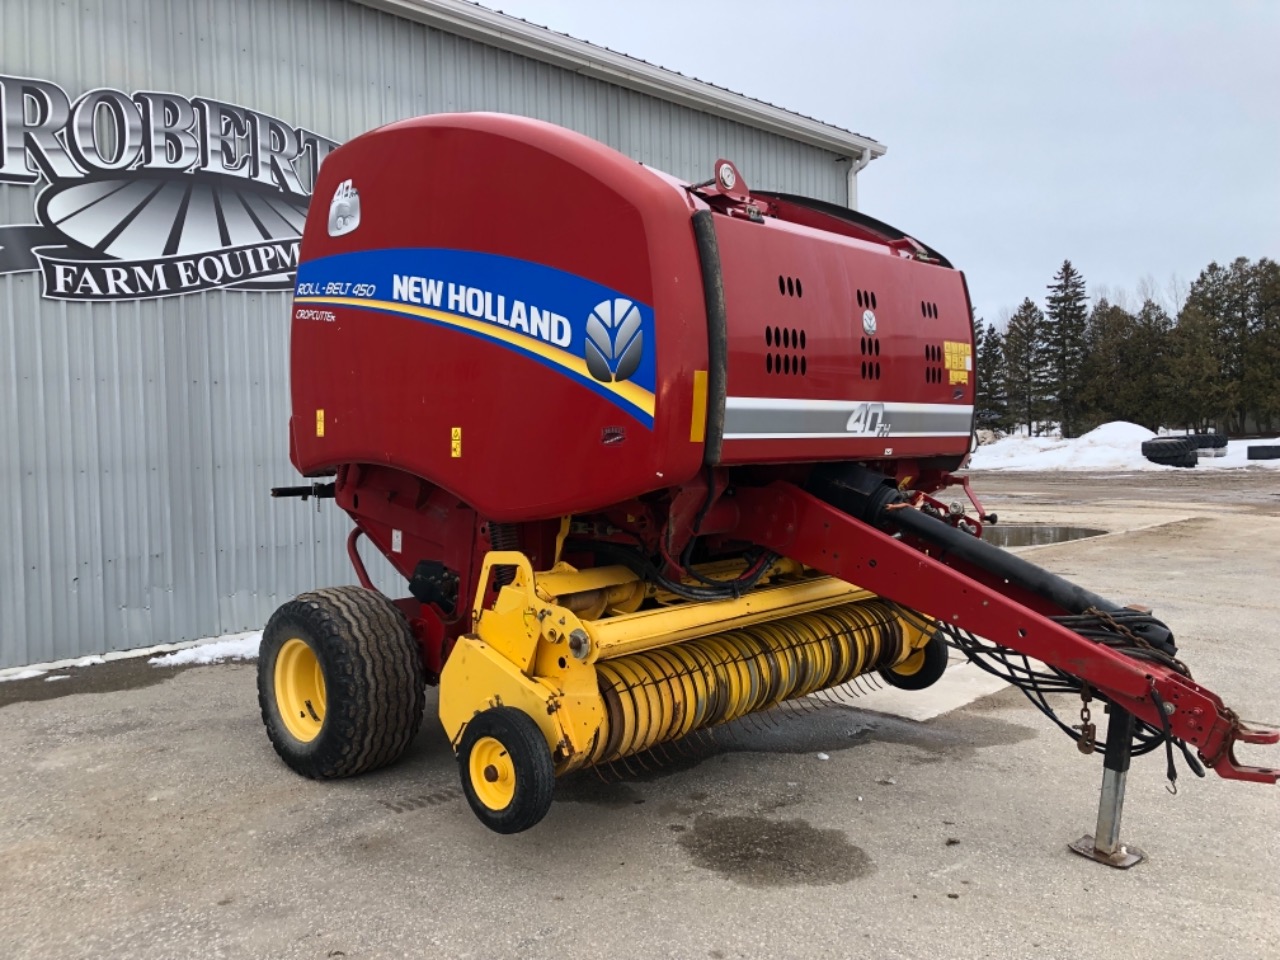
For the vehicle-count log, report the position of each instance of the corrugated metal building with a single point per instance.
(156, 158)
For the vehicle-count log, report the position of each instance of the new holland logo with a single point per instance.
(614, 341)
(344, 210)
(153, 194)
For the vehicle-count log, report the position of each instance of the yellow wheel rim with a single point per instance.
(911, 665)
(493, 775)
(299, 685)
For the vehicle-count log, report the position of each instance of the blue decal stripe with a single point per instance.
(633, 398)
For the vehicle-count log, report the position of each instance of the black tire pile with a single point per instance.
(1210, 444)
(1171, 451)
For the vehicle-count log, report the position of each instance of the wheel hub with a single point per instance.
(300, 691)
(493, 775)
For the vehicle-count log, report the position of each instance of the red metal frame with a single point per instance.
(789, 521)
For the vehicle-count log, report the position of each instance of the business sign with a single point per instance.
(152, 194)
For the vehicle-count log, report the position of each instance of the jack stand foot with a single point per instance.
(1104, 845)
(1122, 858)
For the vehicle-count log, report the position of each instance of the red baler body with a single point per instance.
(508, 336)
(481, 213)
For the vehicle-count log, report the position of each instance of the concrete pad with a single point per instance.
(144, 815)
(962, 684)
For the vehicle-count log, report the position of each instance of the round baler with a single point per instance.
(649, 457)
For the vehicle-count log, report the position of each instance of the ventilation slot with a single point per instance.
(790, 286)
(933, 363)
(793, 362)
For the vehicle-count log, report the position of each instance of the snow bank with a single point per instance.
(238, 646)
(1111, 447)
(28, 674)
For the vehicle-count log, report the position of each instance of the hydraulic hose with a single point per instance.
(869, 496)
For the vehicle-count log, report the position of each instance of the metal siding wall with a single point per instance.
(140, 438)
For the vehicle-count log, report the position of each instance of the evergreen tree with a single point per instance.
(1222, 298)
(1067, 316)
(991, 402)
(1260, 380)
(1202, 395)
(1108, 391)
(1152, 346)
(1125, 374)
(1027, 366)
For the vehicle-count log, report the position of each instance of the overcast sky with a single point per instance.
(1137, 139)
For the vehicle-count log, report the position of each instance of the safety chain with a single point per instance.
(1124, 631)
(1087, 742)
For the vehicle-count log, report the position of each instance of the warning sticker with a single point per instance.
(959, 360)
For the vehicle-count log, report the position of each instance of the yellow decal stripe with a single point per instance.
(698, 425)
(637, 396)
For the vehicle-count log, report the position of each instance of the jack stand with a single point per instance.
(1106, 846)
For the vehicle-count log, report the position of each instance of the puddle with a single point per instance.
(758, 852)
(1035, 534)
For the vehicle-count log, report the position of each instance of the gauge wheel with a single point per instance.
(506, 768)
(923, 668)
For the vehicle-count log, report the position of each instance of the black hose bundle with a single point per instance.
(1038, 681)
(758, 563)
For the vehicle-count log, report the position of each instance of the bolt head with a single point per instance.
(579, 643)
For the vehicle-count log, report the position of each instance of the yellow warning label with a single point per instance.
(319, 422)
(958, 354)
(698, 425)
(455, 442)
(959, 376)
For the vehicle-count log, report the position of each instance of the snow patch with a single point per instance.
(238, 646)
(27, 674)
(1113, 446)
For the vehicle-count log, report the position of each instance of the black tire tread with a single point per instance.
(936, 656)
(376, 683)
(1167, 447)
(535, 771)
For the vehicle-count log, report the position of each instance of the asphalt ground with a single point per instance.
(143, 813)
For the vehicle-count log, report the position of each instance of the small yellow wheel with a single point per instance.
(493, 774)
(923, 668)
(507, 772)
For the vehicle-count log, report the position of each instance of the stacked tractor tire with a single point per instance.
(1171, 451)
(1184, 451)
(1210, 444)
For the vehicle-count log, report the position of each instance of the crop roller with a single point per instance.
(651, 457)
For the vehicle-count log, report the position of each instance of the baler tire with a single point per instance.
(509, 738)
(921, 673)
(373, 691)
